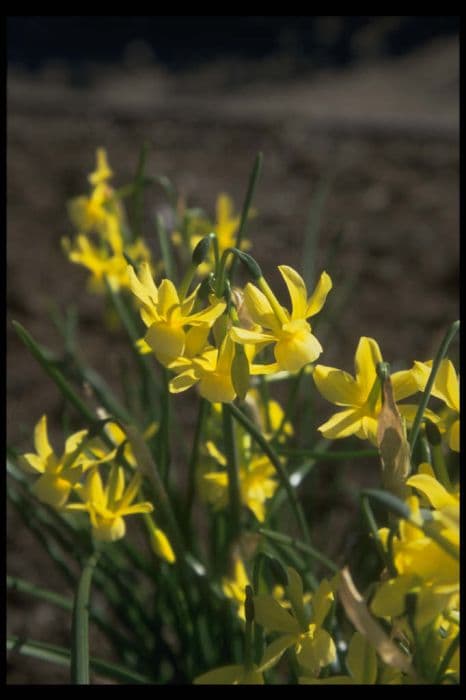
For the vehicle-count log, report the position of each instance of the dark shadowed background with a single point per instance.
(364, 107)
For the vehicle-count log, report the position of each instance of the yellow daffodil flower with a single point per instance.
(234, 587)
(57, 475)
(313, 645)
(361, 661)
(90, 213)
(269, 417)
(105, 259)
(447, 388)
(166, 315)
(362, 395)
(423, 566)
(103, 172)
(256, 480)
(108, 506)
(295, 345)
(225, 226)
(118, 436)
(211, 370)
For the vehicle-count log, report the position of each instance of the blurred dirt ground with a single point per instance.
(387, 136)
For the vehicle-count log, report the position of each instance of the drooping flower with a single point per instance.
(58, 474)
(361, 396)
(109, 505)
(294, 344)
(447, 388)
(166, 315)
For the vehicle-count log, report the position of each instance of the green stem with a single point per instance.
(441, 353)
(203, 412)
(290, 404)
(40, 355)
(400, 509)
(246, 206)
(80, 625)
(372, 525)
(234, 489)
(61, 656)
(301, 546)
(163, 452)
(272, 455)
(138, 193)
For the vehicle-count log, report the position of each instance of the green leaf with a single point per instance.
(80, 626)
(65, 387)
(59, 655)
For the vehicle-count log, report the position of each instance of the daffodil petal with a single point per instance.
(389, 599)
(73, 441)
(297, 291)
(143, 286)
(322, 601)
(246, 337)
(166, 341)
(404, 384)
(336, 386)
(317, 652)
(319, 295)
(294, 352)
(454, 436)
(31, 462)
(361, 660)
(41, 441)
(264, 369)
(437, 494)
(259, 306)
(184, 380)
(270, 614)
(275, 651)
(225, 675)
(341, 424)
(447, 385)
(207, 316)
(366, 358)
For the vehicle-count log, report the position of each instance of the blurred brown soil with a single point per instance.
(386, 133)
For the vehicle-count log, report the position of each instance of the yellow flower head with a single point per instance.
(256, 479)
(166, 315)
(298, 630)
(361, 395)
(295, 345)
(103, 172)
(225, 226)
(58, 475)
(104, 258)
(211, 370)
(423, 566)
(108, 506)
(447, 388)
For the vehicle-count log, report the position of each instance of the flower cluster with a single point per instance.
(226, 500)
(73, 482)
